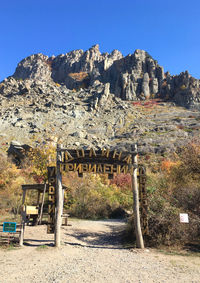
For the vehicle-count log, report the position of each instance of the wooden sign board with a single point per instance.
(102, 161)
(143, 199)
(51, 199)
(9, 227)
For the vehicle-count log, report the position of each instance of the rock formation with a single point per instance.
(133, 77)
(89, 99)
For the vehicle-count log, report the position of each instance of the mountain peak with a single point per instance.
(136, 76)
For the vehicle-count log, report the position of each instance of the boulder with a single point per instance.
(17, 152)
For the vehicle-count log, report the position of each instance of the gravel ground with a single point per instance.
(91, 252)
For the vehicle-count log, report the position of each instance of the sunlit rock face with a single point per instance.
(90, 99)
(134, 77)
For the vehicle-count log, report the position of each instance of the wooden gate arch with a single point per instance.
(104, 161)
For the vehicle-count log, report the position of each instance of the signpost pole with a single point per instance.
(59, 199)
(21, 237)
(41, 210)
(136, 207)
(8, 239)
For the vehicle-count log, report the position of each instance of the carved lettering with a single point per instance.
(92, 153)
(99, 168)
(78, 168)
(52, 180)
(51, 190)
(69, 167)
(107, 168)
(68, 157)
(92, 168)
(51, 171)
(105, 152)
(115, 169)
(128, 159)
(80, 153)
(85, 167)
(117, 155)
(124, 169)
(52, 198)
(51, 209)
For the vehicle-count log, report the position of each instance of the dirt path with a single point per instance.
(91, 252)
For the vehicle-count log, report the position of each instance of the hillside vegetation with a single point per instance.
(173, 185)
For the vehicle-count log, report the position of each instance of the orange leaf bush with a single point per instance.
(167, 165)
(78, 76)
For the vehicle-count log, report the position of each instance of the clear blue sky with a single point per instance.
(168, 30)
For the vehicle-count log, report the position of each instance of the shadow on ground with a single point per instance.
(38, 243)
(112, 238)
(193, 247)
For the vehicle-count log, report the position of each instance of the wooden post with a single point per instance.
(63, 199)
(23, 220)
(136, 208)
(42, 205)
(59, 199)
(38, 198)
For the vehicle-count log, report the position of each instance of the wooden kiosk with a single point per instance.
(32, 213)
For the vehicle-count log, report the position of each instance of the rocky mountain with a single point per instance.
(93, 99)
(134, 77)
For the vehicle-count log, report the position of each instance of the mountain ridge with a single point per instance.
(96, 100)
(133, 77)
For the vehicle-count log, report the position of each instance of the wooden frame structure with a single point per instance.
(82, 161)
(41, 189)
(103, 161)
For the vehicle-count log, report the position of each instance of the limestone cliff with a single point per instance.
(136, 76)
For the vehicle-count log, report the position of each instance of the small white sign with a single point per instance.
(184, 218)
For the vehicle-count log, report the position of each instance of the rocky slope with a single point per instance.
(93, 99)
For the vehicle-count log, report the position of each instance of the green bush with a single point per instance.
(91, 198)
(175, 189)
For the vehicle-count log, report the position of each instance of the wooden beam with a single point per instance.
(59, 199)
(39, 187)
(136, 208)
(42, 205)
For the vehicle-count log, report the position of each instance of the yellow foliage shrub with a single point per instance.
(78, 76)
(183, 87)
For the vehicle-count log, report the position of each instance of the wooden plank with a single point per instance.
(97, 168)
(96, 151)
(39, 187)
(103, 156)
(42, 205)
(51, 199)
